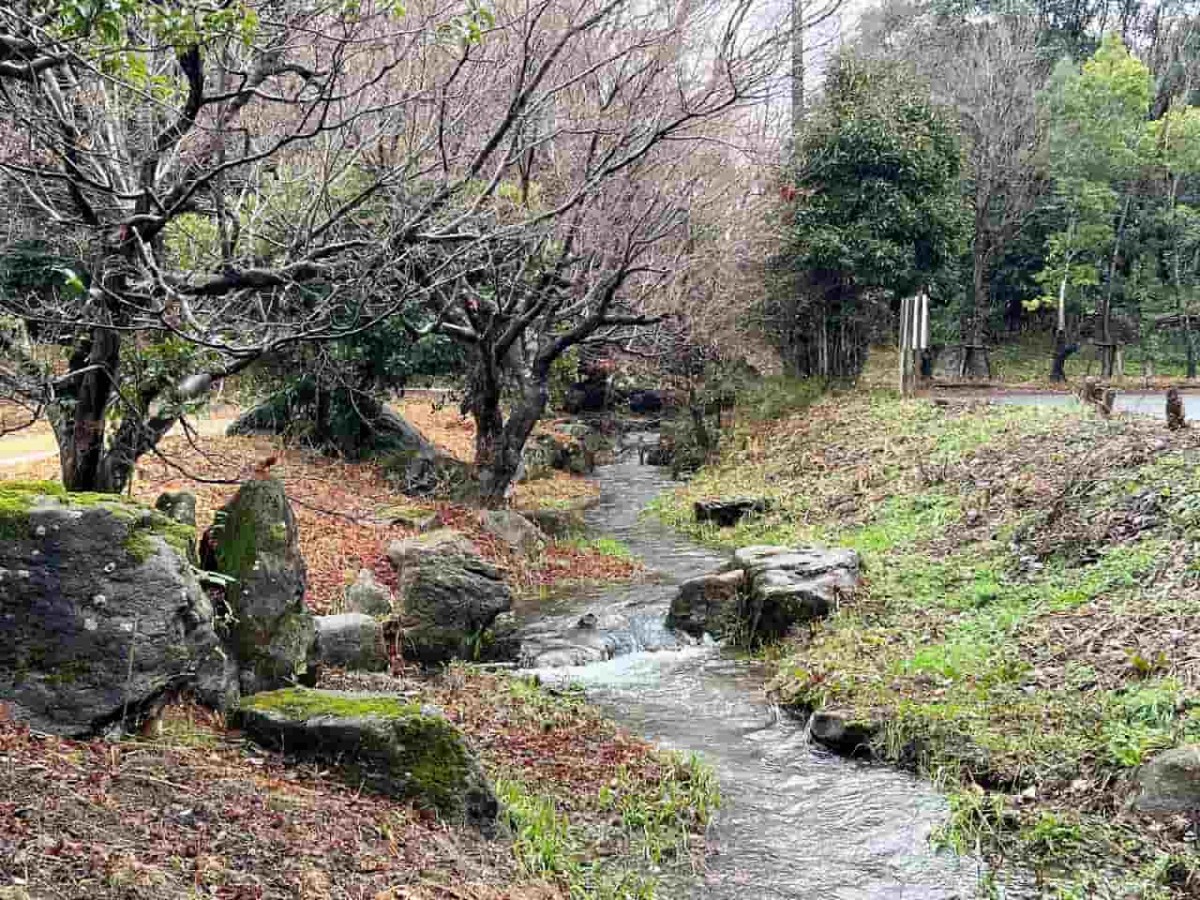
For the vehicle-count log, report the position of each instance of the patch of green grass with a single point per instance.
(984, 647)
(648, 812)
(1026, 360)
(767, 399)
(662, 822)
(547, 846)
(541, 836)
(605, 546)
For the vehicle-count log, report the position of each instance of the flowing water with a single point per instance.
(795, 822)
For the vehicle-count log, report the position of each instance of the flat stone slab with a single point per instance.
(807, 561)
(376, 741)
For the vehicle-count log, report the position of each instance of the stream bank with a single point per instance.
(1025, 634)
(795, 822)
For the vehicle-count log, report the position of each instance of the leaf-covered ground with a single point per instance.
(1028, 632)
(192, 810)
(189, 809)
(344, 508)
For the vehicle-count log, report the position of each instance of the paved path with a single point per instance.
(1141, 403)
(25, 447)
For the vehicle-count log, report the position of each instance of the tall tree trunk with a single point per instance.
(489, 430)
(80, 424)
(797, 74)
(1108, 347)
(500, 444)
(1190, 337)
(975, 362)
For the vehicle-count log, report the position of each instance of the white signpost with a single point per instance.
(914, 337)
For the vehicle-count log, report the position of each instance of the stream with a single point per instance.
(795, 822)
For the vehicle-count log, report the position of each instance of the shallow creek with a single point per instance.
(795, 822)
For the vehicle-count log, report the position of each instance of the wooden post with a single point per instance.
(905, 324)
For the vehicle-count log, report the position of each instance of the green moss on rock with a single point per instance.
(46, 488)
(147, 525)
(378, 741)
(18, 499)
(239, 543)
(305, 703)
(140, 545)
(14, 514)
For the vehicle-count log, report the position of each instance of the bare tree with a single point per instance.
(236, 180)
(990, 71)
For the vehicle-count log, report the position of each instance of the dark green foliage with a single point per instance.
(879, 174)
(879, 214)
(332, 396)
(34, 266)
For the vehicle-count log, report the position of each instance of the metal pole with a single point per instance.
(924, 322)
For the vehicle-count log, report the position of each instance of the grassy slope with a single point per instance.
(1028, 630)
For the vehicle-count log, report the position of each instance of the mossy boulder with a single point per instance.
(367, 595)
(449, 597)
(514, 530)
(419, 518)
(377, 741)
(179, 506)
(842, 732)
(100, 610)
(255, 542)
(1169, 784)
(441, 543)
(562, 522)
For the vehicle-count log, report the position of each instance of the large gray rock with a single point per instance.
(541, 456)
(1169, 784)
(368, 596)
(444, 542)
(377, 741)
(574, 447)
(561, 521)
(350, 641)
(709, 603)
(100, 612)
(787, 586)
(727, 513)
(449, 597)
(255, 542)
(514, 530)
